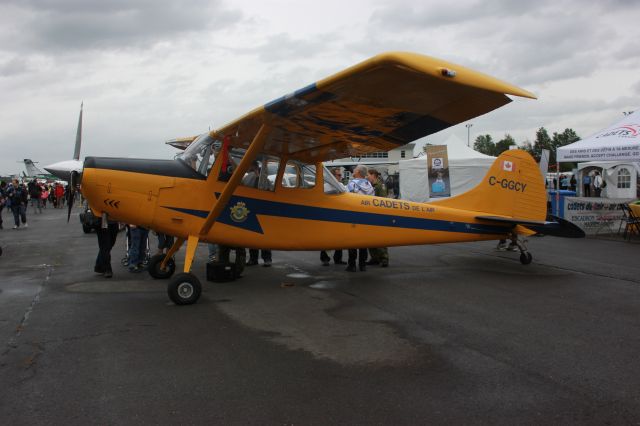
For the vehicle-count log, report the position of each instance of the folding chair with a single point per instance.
(631, 222)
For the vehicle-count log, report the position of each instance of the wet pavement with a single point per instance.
(447, 334)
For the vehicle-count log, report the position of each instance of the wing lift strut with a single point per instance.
(185, 288)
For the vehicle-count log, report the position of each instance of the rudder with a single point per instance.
(513, 187)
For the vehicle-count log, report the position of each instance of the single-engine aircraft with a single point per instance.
(294, 203)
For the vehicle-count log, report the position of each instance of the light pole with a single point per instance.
(468, 126)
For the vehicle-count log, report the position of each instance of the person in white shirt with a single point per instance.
(597, 183)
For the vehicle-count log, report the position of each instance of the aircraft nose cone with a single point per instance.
(63, 169)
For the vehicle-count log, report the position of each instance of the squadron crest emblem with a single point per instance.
(239, 212)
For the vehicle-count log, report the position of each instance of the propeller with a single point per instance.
(74, 179)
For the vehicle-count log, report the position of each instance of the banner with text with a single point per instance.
(438, 170)
(602, 216)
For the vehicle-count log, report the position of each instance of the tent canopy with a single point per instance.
(618, 142)
(466, 169)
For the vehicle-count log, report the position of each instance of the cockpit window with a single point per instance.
(200, 154)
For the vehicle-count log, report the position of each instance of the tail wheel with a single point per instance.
(525, 258)
(156, 271)
(184, 289)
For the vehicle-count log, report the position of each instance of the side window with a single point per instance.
(299, 175)
(624, 178)
(262, 173)
(308, 178)
(291, 175)
(269, 173)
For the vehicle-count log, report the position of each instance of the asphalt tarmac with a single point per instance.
(448, 334)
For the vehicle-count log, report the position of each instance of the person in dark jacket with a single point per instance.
(107, 231)
(17, 196)
(379, 256)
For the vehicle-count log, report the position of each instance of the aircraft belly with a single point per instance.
(282, 233)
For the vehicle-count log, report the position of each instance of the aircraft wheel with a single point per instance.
(158, 273)
(184, 289)
(86, 229)
(526, 258)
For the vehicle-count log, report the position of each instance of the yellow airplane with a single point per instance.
(258, 182)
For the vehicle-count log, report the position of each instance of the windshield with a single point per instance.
(200, 154)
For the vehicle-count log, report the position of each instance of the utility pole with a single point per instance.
(468, 126)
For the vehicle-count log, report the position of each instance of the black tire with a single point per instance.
(154, 267)
(526, 258)
(0, 251)
(184, 289)
(86, 228)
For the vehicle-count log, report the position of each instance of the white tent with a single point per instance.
(621, 177)
(619, 142)
(466, 169)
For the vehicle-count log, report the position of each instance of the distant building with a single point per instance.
(385, 161)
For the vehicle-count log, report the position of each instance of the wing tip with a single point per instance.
(436, 67)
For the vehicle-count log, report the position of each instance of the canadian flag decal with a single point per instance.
(508, 166)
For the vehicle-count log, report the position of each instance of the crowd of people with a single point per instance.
(592, 183)
(18, 196)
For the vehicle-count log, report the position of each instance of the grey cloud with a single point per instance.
(47, 25)
(282, 46)
(406, 15)
(13, 67)
(538, 42)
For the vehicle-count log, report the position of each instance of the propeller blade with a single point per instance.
(73, 178)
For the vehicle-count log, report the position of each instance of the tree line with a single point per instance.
(486, 145)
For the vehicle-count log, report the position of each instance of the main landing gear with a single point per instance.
(184, 288)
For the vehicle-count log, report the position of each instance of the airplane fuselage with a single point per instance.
(169, 197)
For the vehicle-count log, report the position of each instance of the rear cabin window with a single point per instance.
(299, 175)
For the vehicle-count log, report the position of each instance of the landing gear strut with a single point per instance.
(525, 256)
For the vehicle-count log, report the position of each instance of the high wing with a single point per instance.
(382, 103)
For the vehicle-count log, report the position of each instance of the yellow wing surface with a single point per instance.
(382, 103)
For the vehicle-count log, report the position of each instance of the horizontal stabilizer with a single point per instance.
(553, 226)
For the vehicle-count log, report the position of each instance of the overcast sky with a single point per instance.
(150, 71)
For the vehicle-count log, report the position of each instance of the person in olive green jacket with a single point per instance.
(379, 256)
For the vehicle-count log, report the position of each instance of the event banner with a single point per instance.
(438, 170)
(595, 216)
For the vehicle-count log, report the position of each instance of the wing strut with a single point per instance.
(236, 177)
(234, 181)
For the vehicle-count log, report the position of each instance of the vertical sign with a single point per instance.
(438, 170)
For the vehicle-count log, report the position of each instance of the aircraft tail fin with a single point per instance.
(32, 169)
(512, 188)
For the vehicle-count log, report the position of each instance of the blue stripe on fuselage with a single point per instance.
(295, 211)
